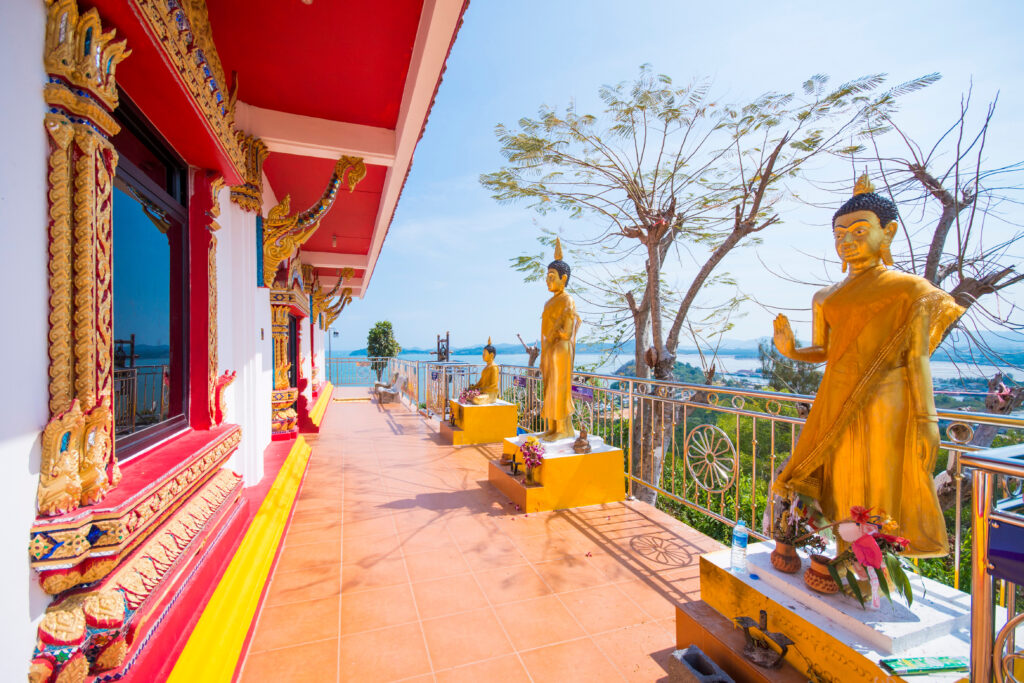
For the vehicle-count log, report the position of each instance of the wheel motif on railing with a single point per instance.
(711, 458)
(1005, 664)
(960, 432)
(712, 398)
(773, 407)
(738, 402)
(688, 394)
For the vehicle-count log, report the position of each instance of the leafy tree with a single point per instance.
(671, 168)
(381, 343)
(787, 375)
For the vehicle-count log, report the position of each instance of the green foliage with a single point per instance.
(783, 374)
(667, 165)
(381, 341)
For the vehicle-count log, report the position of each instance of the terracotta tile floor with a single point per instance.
(403, 563)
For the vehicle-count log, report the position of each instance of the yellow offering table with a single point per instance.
(487, 423)
(565, 479)
(834, 637)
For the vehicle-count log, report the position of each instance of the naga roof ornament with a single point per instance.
(284, 233)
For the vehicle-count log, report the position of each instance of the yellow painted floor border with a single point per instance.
(213, 649)
(316, 415)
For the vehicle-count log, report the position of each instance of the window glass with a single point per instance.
(150, 250)
(143, 326)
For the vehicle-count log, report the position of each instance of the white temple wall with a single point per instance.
(239, 327)
(23, 346)
(319, 340)
(306, 357)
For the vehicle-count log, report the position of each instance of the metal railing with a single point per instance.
(998, 534)
(358, 371)
(445, 381)
(714, 452)
(140, 397)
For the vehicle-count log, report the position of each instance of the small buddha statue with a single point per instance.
(558, 327)
(582, 442)
(489, 378)
(872, 435)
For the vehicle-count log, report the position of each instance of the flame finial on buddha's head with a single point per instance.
(863, 185)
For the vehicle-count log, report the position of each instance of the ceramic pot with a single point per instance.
(785, 559)
(817, 577)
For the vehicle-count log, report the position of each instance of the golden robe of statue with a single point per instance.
(490, 378)
(872, 435)
(559, 323)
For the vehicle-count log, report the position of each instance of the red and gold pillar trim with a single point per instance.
(78, 467)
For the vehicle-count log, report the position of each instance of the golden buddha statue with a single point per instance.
(490, 378)
(558, 327)
(872, 435)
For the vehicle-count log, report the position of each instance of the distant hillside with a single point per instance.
(1009, 347)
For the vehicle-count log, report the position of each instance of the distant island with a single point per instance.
(1009, 349)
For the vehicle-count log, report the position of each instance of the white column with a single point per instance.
(23, 346)
(243, 314)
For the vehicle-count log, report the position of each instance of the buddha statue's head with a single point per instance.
(558, 271)
(863, 228)
(489, 351)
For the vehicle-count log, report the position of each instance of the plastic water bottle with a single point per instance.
(739, 548)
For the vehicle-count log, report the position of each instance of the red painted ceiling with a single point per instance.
(332, 59)
(351, 218)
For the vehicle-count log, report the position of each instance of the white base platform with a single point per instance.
(938, 625)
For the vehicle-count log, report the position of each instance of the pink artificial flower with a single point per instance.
(895, 540)
(867, 552)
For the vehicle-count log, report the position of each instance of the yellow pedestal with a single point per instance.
(480, 424)
(566, 479)
(827, 641)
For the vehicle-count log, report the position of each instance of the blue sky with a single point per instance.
(445, 264)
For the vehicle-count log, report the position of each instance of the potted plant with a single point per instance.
(794, 527)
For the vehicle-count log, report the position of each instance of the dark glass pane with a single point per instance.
(130, 147)
(146, 388)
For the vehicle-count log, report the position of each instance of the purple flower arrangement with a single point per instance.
(533, 453)
(468, 395)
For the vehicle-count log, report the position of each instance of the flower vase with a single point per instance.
(531, 476)
(785, 559)
(818, 578)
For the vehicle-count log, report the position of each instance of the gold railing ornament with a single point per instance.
(284, 233)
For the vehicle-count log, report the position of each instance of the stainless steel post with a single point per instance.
(632, 418)
(982, 613)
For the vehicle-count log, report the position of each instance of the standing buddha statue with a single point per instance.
(489, 377)
(872, 435)
(558, 327)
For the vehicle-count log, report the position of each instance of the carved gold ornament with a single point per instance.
(325, 308)
(279, 330)
(249, 195)
(80, 54)
(283, 234)
(181, 29)
(78, 467)
(211, 269)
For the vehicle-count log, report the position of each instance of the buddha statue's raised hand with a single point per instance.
(785, 342)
